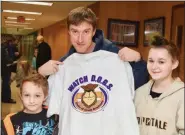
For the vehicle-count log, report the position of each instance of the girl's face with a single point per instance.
(32, 97)
(160, 64)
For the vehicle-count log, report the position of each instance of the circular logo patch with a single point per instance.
(89, 98)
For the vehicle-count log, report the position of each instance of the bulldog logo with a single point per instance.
(89, 98)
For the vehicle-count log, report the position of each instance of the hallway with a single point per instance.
(11, 108)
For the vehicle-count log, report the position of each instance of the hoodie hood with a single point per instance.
(176, 86)
(98, 39)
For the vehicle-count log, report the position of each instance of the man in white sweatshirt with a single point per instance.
(92, 92)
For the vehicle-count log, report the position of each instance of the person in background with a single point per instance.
(33, 65)
(32, 119)
(14, 53)
(86, 38)
(6, 62)
(23, 70)
(160, 102)
(44, 52)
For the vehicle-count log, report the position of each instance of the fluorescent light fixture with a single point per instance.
(15, 25)
(19, 28)
(22, 12)
(11, 17)
(15, 18)
(36, 3)
(149, 32)
(16, 22)
(130, 34)
(10, 28)
(28, 28)
(29, 19)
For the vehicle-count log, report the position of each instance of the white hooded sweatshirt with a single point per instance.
(92, 93)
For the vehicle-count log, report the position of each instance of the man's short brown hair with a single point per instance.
(81, 14)
(38, 80)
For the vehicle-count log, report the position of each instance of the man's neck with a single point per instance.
(91, 48)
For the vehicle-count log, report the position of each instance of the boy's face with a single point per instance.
(81, 37)
(32, 97)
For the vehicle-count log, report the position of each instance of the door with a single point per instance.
(177, 33)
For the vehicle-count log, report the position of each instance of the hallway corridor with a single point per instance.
(11, 108)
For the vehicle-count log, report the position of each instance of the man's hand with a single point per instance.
(127, 54)
(49, 67)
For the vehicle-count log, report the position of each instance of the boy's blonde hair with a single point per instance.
(37, 80)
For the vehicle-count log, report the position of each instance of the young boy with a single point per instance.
(32, 120)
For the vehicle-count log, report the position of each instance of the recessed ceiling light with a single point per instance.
(15, 18)
(22, 12)
(29, 19)
(36, 3)
(16, 22)
(15, 25)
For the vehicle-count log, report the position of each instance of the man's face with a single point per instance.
(81, 37)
